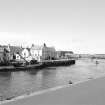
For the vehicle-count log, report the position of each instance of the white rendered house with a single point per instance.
(36, 52)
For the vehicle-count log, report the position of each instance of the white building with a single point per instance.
(36, 52)
(25, 53)
(17, 57)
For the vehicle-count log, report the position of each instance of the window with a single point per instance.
(24, 54)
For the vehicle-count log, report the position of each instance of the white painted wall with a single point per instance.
(18, 57)
(36, 54)
(25, 53)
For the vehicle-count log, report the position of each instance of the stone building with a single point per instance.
(4, 55)
(48, 53)
(64, 54)
(1, 54)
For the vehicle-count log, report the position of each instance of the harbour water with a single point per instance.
(13, 84)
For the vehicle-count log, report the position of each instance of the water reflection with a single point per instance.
(5, 79)
(33, 72)
(5, 74)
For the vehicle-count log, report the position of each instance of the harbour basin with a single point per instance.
(13, 84)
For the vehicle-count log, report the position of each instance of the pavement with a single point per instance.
(91, 92)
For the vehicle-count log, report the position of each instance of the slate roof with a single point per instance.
(15, 49)
(36, 47)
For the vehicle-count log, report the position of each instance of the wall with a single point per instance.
(25, 53)
(49, 53)
(36, 52)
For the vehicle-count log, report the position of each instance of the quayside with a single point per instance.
(40, 65)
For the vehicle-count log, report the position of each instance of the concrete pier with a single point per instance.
(91, 92)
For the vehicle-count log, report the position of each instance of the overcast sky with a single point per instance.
(77, 25)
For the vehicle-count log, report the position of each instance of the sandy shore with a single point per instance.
(91, 92)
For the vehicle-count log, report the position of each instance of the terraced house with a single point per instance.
(39, 53)
(4, 55)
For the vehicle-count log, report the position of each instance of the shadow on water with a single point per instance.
(35, 71)
(51, 68)
(32, 72)
(5, 74)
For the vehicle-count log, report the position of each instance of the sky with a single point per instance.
(77, 25)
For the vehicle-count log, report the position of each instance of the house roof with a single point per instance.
(36, 47)
(15, 49)
(3, 47)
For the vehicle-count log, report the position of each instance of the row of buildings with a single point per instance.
(35, 52)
